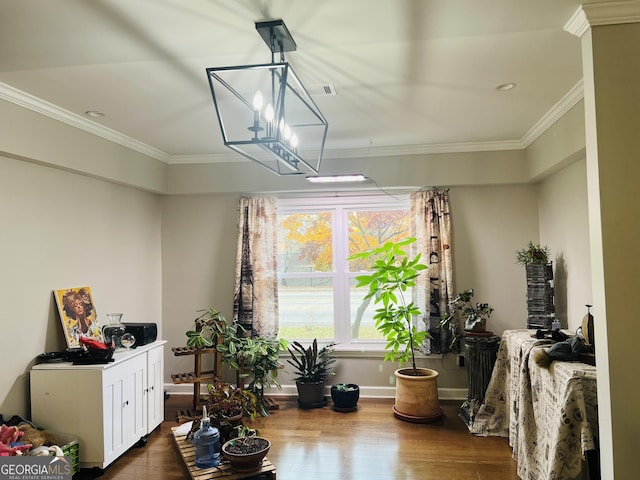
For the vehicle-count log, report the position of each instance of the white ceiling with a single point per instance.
(408, 73)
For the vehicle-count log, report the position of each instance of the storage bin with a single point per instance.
(71, 448)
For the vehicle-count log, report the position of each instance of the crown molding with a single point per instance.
(603, 13)
(43, 107)
(55, 112)
(552, 116)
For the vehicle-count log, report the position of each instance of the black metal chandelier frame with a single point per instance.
(274, 130)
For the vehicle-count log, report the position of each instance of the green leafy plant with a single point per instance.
(312, 364)
(533, 254)
(226, 401)
(475, 315)
(390, 281)
(256, 358)
(208, 326)
(346, 387)
(231, 408)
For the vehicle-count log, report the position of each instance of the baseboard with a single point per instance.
(291, 391)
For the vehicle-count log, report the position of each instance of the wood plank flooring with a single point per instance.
(369, 444)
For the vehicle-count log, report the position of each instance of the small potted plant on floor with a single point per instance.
(345, 397)
(313, 367)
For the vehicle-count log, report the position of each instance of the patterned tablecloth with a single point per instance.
(549, 415)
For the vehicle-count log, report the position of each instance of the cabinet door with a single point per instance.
(135, 404)
(114, 399)
(125, 409)
(155, 392)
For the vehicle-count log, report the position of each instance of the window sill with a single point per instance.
(358, 350)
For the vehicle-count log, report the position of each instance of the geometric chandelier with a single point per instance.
(265, 112)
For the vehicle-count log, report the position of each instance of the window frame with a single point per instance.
(340, 207)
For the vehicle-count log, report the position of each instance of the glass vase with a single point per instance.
(114, 330)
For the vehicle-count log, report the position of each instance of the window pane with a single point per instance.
(306, 308)
(362, 311)
(369, 229)
(305, 242)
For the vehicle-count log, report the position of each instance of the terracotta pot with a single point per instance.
(417, 396)
(246, 462)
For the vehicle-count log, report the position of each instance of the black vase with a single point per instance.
(311, 395)
(345, 399)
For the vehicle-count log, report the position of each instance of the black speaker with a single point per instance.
(144, 332)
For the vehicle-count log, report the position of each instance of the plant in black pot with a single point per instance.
(345, 397)
(312, 366)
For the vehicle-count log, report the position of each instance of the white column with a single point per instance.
(610, 35)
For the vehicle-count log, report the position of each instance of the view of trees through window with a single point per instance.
(316, 283)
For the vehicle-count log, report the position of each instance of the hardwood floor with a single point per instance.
(322, 444)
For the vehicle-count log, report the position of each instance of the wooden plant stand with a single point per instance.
(197, 377)
(223, 471)
(269, 402)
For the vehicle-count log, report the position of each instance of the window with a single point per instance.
(316, 284)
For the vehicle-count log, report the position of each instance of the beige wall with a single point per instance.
(490, 223)
(63, 230)
(180, 249)
(564, 227)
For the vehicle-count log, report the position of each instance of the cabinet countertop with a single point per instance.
(118, 356)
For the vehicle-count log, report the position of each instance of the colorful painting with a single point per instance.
(78, 315)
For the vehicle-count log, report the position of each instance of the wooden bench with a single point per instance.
(224, 470)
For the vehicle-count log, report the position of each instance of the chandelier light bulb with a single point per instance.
(287, 132)
(257, 100)
(268, 113)
(294, 140)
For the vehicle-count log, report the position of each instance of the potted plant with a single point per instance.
(255, 358)
(312, 368)
(345, 397)
(475, 316)
(230, 407)
(392, 276)
(533, 254)
(539, 273)
(208, 327)
(245, 454)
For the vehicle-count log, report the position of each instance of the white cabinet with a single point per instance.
(155, 390)
(107, 408)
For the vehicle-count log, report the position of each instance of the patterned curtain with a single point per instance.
(255, 303)
(431, 226)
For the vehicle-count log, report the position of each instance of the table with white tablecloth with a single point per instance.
(549, 414)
